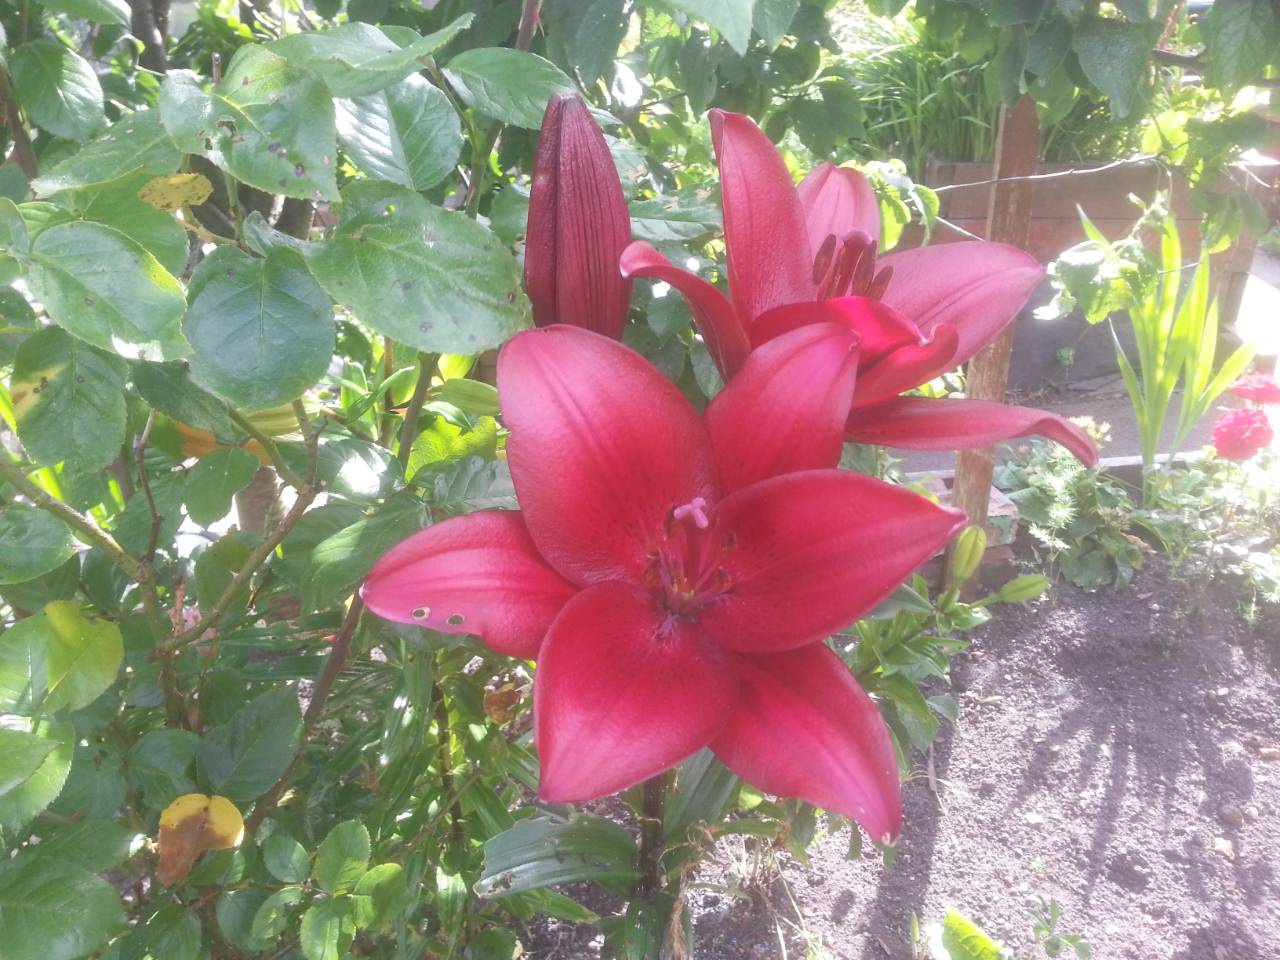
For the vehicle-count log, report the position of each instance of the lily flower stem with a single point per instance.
(653, 806)
(457, 836)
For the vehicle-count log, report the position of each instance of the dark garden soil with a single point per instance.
(1114, 751)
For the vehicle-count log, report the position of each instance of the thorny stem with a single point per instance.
(333, 665)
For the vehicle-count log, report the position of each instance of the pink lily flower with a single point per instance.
(674, 574)
(578, 225)
(807, 254)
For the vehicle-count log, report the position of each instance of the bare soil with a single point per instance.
(1114, 751)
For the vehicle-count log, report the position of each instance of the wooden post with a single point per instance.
(1008, 221)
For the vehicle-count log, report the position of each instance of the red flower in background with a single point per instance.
(808, 254)
(1239, 434)
(578, 225)
(675, 574)
(1261, 388)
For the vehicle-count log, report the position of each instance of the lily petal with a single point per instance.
(808, 553)
(836, 200)
(881, 330)
(764, 229)
(976, 286)
(908, 367)
(622, 694)
(479, 574)
(805, 728)
(719, 324)
(786, 408)
(602, 448)
(578, 225)
(925, 423)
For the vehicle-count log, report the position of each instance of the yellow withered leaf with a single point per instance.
(191, 826)
(170, 193)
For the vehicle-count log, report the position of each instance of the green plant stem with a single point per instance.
(409, 428)
(73, 518)
(268, 445)
(444, 734)
(337, 659)
(653, 807)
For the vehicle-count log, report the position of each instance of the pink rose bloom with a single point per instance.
(1239, 434)
(1259, 387)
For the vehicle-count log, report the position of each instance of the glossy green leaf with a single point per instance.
(135, 145)
(356, 59)
(107, 290)
(17, 323)
(117, 206)
(273, 916)
(431, 279)
(285, 858)
(702, 791)
(732, 18)
(408, 133)
(21, 754)
(216, 568)
(98, 11)
(342, 857)
(58, 88)
(37, 791)
(1242, 38)
(242, 758)
(32, 543)
(134, 526)
(509, 85)
(235, 912)
(379, 896)
(215, 479)
(54, 911)
(82, 654)
(160, 766)
(261, 330)
(168, 388)
(173, 934)
(542, 851)
(269, 123)
(328, 928)
(772, 18)
(1114, 56)
(68, 399)
(13, 229)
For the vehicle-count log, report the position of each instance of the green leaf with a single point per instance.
(17, 323)
(542, 851)
(216, 567)
(272, 917)
(54, 911)
(235, 912)
(117, 206)
(269, 123)
(703, 789)
(21, 755)
(509, 85)
(1113, 55)
(261, 330)
(242, 758)
(328, 928)
(442, 442)
(23, 802)
(137, 145)
(408, 133)
(379, 896)
(342, 858)
(58, 89)
(93, 845)
(342, 560)
(959, 938)
(82, 654)
(98, 11)
(285, 858)
(32, 543)
(665, 220)
(173, 934)
(1242, 38)
(160, 766)
(600, 30)
(13, 229)
(103, 287)
(134, 526)
(215, 479)
(732, 18)
(68, 400)
(431, 279)
(168, 388)
(772, 19)
(356, 59)
(357, 469)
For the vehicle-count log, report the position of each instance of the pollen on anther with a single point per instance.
(421, 613)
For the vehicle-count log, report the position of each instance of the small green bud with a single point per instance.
(1023, 588)
(967, 553)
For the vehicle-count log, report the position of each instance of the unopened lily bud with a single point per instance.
(1023, 588)
(578, 225)
(967, 553)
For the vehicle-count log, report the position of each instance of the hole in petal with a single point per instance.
(456, 620)
(422, 613)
